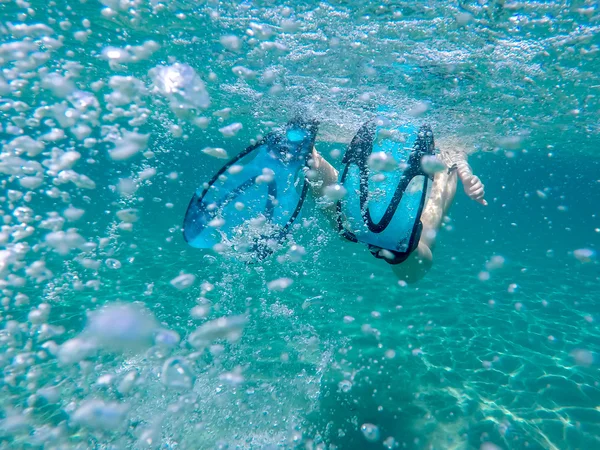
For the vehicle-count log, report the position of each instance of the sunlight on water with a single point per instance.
(114, 333)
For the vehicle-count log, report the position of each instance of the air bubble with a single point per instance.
(585, 255)
(183, 281)
(381, 161)
(120, 327)
(370, 432)
(390, 443)
(229, 328)
(215, 152)
(230, 130)
(129, 215)
(231, 42)
(431, 164)
(112, 263)
(296, 253)
(345, 385)
(97, 414)
(582, 357)
(176, 374)
(280, 284)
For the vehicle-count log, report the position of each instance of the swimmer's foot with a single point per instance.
(473, 186)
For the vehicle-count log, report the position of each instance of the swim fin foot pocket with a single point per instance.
(249, 205)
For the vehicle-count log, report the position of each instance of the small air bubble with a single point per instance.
(582, 357)
(176, 374)
(585, 255)
(345, 385)
(215, 152)
(431, 164)
(370, 432)
(112, 263)
(183, 281)
(280, 284)
(231, 130)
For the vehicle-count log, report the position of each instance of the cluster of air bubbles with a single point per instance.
(418, 109)
(181, 86)
(128, 144)
(296, 253)
(382, 161)
(495, 263)
(335, 192)
(129, 54)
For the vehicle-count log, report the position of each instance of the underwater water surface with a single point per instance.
(114, 333)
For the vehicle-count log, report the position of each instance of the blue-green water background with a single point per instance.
(533, 394)
(501, 372)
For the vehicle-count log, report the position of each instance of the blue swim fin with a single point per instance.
(251, 202)
(386, 188)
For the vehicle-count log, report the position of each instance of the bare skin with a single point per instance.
(324, 175)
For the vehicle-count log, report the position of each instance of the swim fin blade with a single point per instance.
(249, 205)
(387, 188)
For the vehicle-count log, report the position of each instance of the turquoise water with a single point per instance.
(100, 348)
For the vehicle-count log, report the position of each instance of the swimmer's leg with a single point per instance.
(323, 174)
(437, 206)
(320, 176)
